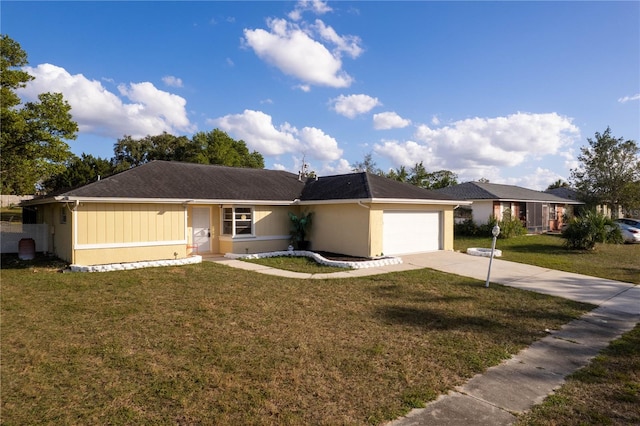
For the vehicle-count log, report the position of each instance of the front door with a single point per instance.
(201, 229)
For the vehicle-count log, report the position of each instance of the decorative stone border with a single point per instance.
(373, 263)
(484, 252)
(136, 265)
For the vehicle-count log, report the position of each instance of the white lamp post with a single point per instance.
(495, 232)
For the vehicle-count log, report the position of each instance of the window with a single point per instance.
(63, 215)
(237, 221)
(552, 212)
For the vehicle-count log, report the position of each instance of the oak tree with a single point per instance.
(609, 172)
(33, 135)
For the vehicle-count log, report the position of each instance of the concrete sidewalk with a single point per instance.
(501, 392)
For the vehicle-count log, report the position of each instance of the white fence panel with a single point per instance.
(12, 233)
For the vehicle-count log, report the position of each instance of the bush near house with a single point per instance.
(509, 227)
(582, 233)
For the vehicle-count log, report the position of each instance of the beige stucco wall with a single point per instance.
(340, 228)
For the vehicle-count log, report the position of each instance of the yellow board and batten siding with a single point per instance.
(115, 233)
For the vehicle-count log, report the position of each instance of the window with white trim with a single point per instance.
(237, 221)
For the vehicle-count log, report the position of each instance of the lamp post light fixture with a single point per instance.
(495, 232)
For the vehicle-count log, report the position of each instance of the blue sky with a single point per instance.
(507, 91)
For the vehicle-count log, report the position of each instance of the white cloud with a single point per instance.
(435, 120)
(629, 98)
(172, 81)
(101, 112)
(258, 131)
(353, 105)
(389, 120)
(480, 147)
(406, 153)
(348, 44)
(296, 53)
(340, 167)
(316, 6)
(319, 145)
(539, 180)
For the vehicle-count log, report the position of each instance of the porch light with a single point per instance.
(495, 232)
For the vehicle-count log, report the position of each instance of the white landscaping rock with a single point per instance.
(191, 260)
(318, 258)
(484, 252)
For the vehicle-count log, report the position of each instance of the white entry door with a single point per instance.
(201, 229)
(405, 232)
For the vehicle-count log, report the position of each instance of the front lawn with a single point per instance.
(209, 344)
(619, 262)
(296, 264)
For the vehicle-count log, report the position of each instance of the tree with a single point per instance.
(609, 172)
(367, 165)
(32, 136)
(214, 147)
(79, 171)
(419, 176)
(129, 152)
(558, 184)
(400, 174)
(440, 179)
(217, 147)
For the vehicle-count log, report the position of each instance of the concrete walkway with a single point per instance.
(501, 392)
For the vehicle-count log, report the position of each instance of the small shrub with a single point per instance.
(468, 228)
(510, 227)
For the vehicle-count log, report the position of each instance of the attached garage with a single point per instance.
(406, 232)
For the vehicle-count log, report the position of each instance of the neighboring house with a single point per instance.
(572, 194)
(166, 210)
(538, 211)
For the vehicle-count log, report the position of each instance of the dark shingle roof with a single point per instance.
(494, 191)
(187, 181)
(175, 180)
(364, 186)
(564, 192)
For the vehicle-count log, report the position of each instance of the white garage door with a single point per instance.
(406, 232)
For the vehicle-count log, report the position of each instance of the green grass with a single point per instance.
(296, 264)
(619, 262)
(208, 344)
(606, 392)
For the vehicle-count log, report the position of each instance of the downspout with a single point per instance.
(74, 238)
